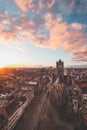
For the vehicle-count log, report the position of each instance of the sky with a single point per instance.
(40, 32)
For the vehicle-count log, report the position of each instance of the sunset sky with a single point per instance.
(40, 32)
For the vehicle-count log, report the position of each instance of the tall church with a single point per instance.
(60, 70)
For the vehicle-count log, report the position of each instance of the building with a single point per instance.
(60, 70)
(11, 113)
(4, 98)
(83, 87)
(34, 85)
(3, 118)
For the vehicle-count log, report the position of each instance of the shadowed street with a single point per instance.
(41, 114)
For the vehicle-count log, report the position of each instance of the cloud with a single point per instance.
(1, 27)
(59, 33)
(46, 3)
(78, 26)
(50, 3)
(65, 6)
(75, 40)
(43, 23)
(81, 54)
(57, 29)
(25, 5)
(82, 8)
(8, 35)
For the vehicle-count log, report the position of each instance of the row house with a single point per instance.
(14, 110)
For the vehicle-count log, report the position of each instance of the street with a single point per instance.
(31, 117)
(42, 115)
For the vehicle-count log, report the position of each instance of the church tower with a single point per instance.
(60, 70)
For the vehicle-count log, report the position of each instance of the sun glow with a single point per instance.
(2, 65)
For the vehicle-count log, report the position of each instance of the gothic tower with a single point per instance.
(60, 70)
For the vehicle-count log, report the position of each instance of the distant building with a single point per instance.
(35, 85)
(60, 70)
(83, 87)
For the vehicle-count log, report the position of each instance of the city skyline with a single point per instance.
(40, 32)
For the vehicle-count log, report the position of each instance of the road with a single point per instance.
(42, 115)
(31, 117)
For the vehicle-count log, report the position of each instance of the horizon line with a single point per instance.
(40, 66)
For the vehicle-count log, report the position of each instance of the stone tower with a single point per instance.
(60, 70)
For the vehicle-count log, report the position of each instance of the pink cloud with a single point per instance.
(59, 33)
(82, 53)
(41, 5)
(25, 5)
(8, 35)
(1, 27)
(75, 40)
(56, 38)
(70, 36)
